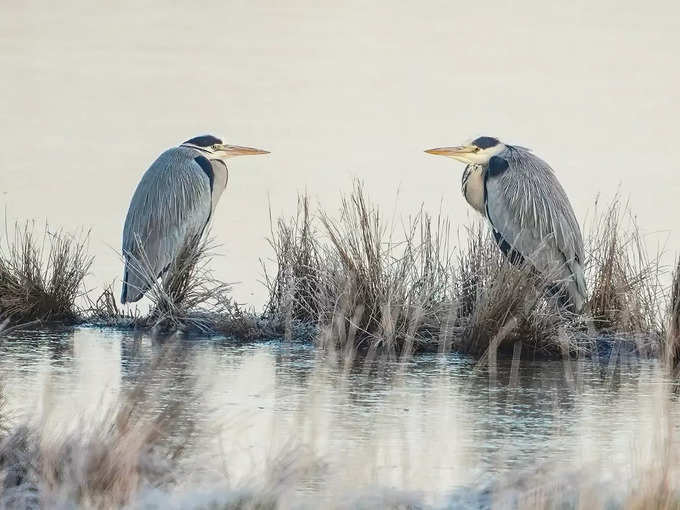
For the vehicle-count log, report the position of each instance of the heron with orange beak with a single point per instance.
(530, 215)
(171, 207)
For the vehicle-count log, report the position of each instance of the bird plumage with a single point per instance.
(472, 186)
(531, 218)
(529, 210)
(171, 205)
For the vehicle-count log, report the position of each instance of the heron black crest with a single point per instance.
(484, 142)
(204, 140)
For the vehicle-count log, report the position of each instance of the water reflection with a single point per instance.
(431, 425)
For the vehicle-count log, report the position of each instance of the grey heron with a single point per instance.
(530, 215)
(172, 205)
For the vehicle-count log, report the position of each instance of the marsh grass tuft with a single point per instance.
(297, 249)
(625, 283)
(188, 287)
(492, 293)
(357, 284)
(370, 286)
(41, 276)
(672, 333)
(353, 281)
(187, 298)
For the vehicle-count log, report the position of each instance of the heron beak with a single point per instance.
(230, 151)
(452, 152)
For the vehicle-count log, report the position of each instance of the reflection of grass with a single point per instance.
(131, 453)
(150, 450)
(101, 464)
(40, 278)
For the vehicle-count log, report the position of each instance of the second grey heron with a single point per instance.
(172, 205)
(528, 210)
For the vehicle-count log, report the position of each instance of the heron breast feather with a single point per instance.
(473, 187)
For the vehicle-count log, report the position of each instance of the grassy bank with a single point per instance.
(41, 273)
(355, 282)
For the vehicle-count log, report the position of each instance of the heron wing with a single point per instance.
(530, 212)
(171, 204)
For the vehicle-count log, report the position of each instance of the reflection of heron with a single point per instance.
(529, 212)
(172, 205)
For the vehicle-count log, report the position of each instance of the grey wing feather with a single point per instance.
(171, 204)
(529, 208)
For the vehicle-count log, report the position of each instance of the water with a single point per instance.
(435, 425)
(91, 93)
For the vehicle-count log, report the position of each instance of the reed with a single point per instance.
(625, 283)
(356, 283)
(367, 285)
(41, 275)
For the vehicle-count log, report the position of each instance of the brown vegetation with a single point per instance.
(41, 277)
(365, 286)
(626, 292)
(187, 298)
(355, 281)
(671, 354)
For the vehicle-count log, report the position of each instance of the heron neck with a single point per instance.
(473, 187)
(220, 178)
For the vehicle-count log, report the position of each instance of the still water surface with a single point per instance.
(433, 425)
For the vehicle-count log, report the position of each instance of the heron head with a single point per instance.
(478, 152)
(213, 148)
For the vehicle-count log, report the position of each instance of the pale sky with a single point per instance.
(91, 94)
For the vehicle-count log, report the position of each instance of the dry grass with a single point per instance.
(492, 293)
(187, 298)
(188, 292)
(357, 284)
(671, 338)
(41, 276)
(625, 283)
(355, 281)
(365, 284)
(297, 250)
(377, 288)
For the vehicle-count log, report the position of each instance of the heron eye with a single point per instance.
(477, 149)
(216, 146)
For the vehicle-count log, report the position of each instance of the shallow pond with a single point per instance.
(435, 425)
